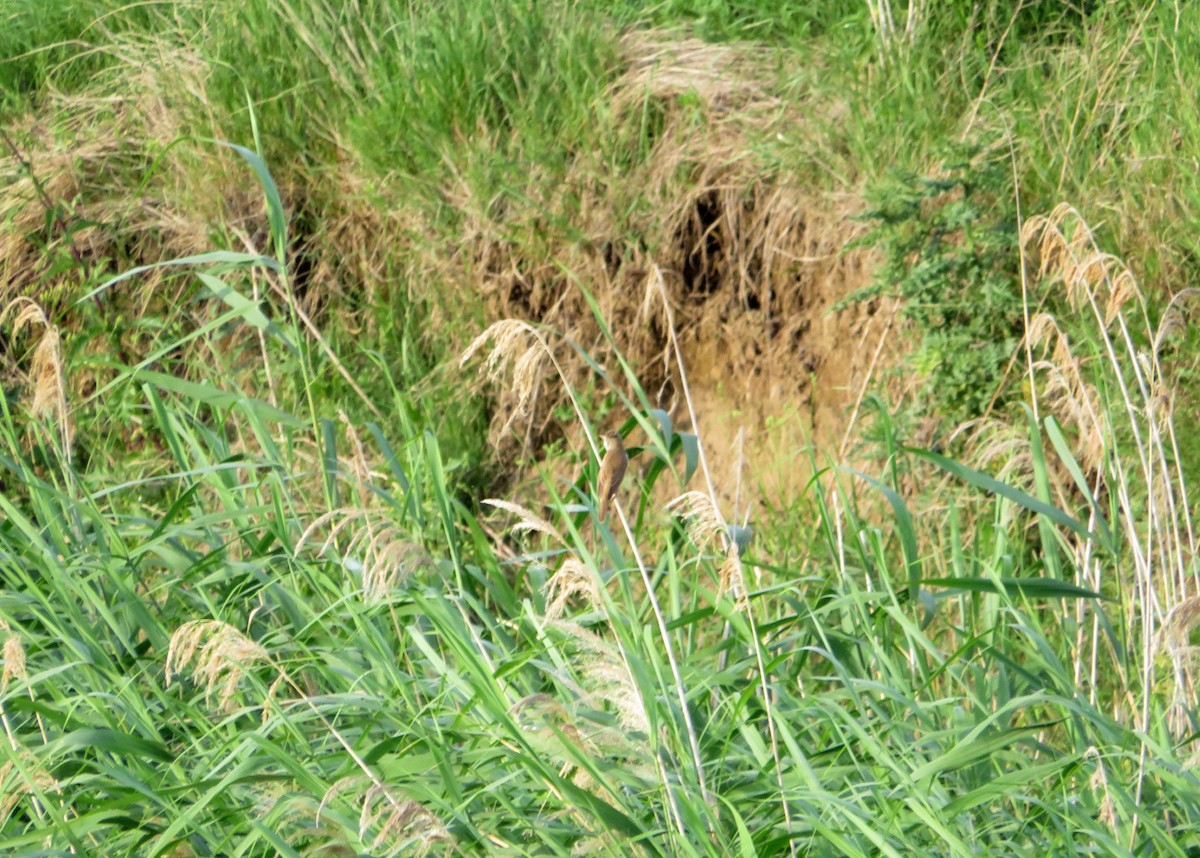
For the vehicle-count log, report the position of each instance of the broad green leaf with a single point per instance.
(994, 486)
(1046, 588)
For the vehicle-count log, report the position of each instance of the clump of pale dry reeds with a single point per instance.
(395, 824)
(1125, 443)
(217, 655)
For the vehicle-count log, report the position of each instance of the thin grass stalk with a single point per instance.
(665, 635)
(758, 654)
(677, 675)
(1162, 543)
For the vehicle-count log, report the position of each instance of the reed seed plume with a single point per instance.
(217, 656)
(48, 395)
(605, 675)
(28, 779)
(392, 824)
(571, 580)
(1177, 628)
(1099, 782)
(373, 543)
(1174, 320)
(13, 654)
(732, 578)
(519, 346)
(705, 526)
(527, 520)
(1174, 640)
(547, 722)
(362, 475)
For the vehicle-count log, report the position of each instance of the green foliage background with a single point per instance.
(252, 602)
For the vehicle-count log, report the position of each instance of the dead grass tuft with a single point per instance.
(1114, 398)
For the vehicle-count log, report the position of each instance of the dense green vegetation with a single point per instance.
(289, 289)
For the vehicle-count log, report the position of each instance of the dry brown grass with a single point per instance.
(751, 264)
(45, 382)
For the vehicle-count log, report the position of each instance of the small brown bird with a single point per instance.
(612, 470)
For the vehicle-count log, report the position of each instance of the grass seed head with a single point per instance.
(14, 661)
(573, 579)
(705, 525)
(217, 655)
(527, 520)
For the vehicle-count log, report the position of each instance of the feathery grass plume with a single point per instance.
(1074, 401)
(732, 578)
(14, 662)
(218, 656)
(527, 520)
(396, 825)
(516, 344)
(48, 397)
(408, 828)
(704, 523)
(606, 675)
(382, 550)
(573, 578)
(1174, 319)
(561, 734)
(14, 668)
(24, 775)
(546, 722)
(360, 470)
(1174, 638)
(1177, 628)
(1098, 781)
(13, 656)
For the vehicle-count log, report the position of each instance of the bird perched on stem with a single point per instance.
(612, 470)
